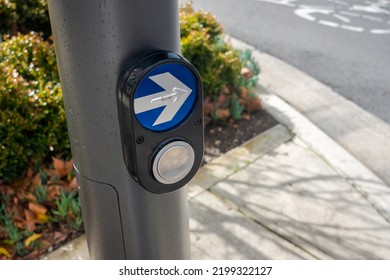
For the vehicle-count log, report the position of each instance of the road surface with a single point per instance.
(342, 43)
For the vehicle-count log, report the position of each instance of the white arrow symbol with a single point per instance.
(306, 12)
(173, 97)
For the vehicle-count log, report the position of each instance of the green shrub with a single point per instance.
(227, 75)
(8, 17)
(199, 21)
(216, 61)
(24, 16)
(32, 119)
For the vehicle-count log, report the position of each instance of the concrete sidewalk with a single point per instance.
(289, 202)
(289, 193)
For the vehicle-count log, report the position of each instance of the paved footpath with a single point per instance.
(289, 193)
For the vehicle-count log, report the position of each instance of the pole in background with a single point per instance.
(134, 114)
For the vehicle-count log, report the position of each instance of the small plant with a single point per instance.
(12, 232)
(62, 205)
(44, 176)
(68, 210)
(40, 193)
(236, 108)
(14, 237)
(250, 71)
(77, 221)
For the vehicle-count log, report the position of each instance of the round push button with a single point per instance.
(173, 162)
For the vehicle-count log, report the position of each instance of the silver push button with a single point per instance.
(173, 162)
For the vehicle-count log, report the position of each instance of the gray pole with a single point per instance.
(93, 41)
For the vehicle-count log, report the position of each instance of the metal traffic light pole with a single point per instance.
(133, 108)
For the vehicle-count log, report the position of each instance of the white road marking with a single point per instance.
(342, 18)
(288, 3)
(352, 28)
(340, 2)
(306, 12)
(328, 23)
(380, 31)
(375, 8)
(316, 7)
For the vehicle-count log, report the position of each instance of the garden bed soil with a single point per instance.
(221, 138)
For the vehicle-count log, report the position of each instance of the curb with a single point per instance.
(368, 184)
(362, 134)
(238, 158)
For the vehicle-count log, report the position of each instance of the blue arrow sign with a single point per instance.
(165, 97)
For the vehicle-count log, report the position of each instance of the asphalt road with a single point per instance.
(343, 43)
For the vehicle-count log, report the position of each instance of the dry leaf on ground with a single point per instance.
(62, 167)
(30, 239)
(37, 208)
(73, 184)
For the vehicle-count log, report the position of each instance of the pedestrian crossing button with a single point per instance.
(173, 162)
